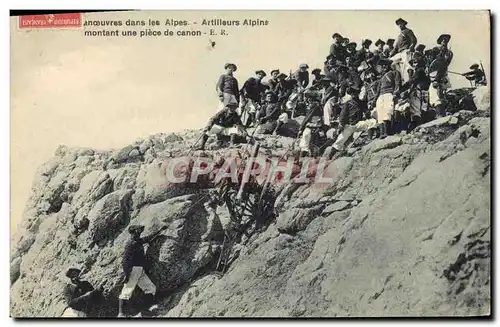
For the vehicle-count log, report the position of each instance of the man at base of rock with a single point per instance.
(270, 116)
(80, 296)
(224, 123)
(351, 121)
(133, 263)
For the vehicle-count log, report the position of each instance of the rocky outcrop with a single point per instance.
(402, 229)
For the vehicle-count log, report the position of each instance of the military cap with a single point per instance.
(135, 229)
(261, 72)
(390, 41)
(384, 62)
(304, 66)
(316, 71)
(379, 41)
(474, 66)
(275, 71)
(420, 48)
(230, 65)
(444, 37)
(367, 41)
(401, 21)
(336, 35)
(72, 271)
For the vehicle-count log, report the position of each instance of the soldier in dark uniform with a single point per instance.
(224, 123)
(272, 82)
(80, 296)
(477, 75)
(379, 47)
(317, 76)
(363, 52)
(330, 68)
(336, 48)
(270, 116)
(406, 39)
(227, 87)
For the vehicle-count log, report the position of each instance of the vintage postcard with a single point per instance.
(243, 164)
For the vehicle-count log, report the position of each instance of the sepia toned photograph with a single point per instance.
(250, 164)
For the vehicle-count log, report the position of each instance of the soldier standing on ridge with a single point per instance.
(251, 94)
(438, 72)
(336, 49)
(389, 85)
(227, 87)
(404, 46)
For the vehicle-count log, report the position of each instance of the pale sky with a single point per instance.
(106, 92)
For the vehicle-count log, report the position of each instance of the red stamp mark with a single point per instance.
(51, 21)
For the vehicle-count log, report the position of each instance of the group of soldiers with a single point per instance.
(389, 89)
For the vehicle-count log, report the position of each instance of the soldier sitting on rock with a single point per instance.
(270, 116)
(352, 119)
(80, 296)
(134, 260)
(226, 122)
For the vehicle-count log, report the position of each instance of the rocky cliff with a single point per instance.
(403, 230)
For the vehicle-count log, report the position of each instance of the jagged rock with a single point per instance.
(173, 138)
(145, 146)
(438, 122)
(149, 155)
(482, 98)
(122, 155)
(108, 214)
(15, 269)
(134, 154)
(337, 206)
(416, 211)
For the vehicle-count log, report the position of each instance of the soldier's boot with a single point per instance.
(415, 121)
(232, 141)
(383, 130)
(278, 126)
(203, 142)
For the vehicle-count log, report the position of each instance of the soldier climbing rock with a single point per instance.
(134, 260)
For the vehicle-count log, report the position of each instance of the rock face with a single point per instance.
(403, 229)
